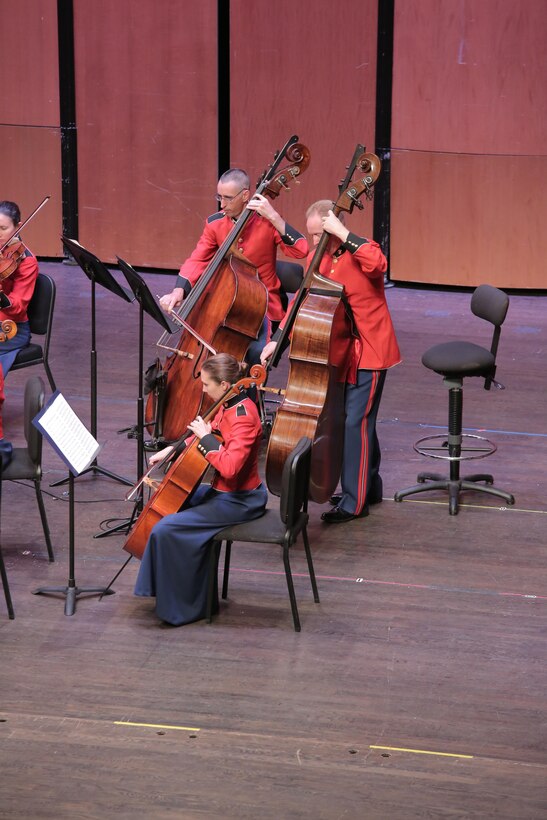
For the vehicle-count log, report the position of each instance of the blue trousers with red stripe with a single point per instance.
(361, 459)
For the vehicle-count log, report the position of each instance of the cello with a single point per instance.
(223, 312)
(320, 351)
(183, 476)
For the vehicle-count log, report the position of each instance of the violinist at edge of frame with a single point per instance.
(17, 288)
(265, 232)
(174, 567)
(359, 264)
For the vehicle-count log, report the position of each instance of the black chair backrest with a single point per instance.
(290, 274)
(41, 305)
(490, 303)
(35, 395)
(295, 481)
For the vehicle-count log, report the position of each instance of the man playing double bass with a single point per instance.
(359, 264)
(265, 232)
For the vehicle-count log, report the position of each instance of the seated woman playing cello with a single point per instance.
(175, 562)
(18, 274)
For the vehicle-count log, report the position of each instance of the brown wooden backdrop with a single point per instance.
(29, 122)
(469, 164)
(469, 104)
(308, 69)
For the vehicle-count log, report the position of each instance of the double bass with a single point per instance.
(223, 312)
(183, 476)
(322, 338)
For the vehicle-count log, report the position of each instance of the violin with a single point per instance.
(11, 253)
(10, 258)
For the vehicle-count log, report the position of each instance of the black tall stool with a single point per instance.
(455, 361)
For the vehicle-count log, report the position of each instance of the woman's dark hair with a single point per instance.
(224, 368)
(11, 209)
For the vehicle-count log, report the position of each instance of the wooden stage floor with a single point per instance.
(416, 688)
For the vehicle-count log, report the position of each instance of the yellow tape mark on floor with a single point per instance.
(156, 726)
(421, 752)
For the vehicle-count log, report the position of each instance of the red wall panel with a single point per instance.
(147, 126)
(470, 87)
(29, 129)
(29, 63)
(308, 69)
(471, 76)
(465, 219)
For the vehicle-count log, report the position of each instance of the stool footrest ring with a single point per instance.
(437, 447)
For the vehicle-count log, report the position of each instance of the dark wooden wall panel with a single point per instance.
(465, 219)
(147, 126)
(469, 78)
(308, 69)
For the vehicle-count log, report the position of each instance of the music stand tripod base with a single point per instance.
(71, 592)
(95, 469)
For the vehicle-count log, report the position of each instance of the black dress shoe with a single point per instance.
(336, 499)
(338, 516)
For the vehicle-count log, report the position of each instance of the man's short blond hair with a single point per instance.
(321, 207)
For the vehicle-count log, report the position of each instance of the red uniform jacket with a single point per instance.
(235, 458)
(359, 265)
(258, 242)
(18, 289)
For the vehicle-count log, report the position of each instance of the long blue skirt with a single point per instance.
(10, 348)
(174, 567)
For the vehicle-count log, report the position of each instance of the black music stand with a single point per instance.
(70, 439)
(96, 271)
(147, 304)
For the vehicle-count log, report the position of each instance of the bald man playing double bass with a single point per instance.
(265, 232)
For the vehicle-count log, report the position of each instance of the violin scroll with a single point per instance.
(8, 329)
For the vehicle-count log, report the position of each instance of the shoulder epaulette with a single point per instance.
(214, 217)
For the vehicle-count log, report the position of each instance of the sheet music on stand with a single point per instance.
(67, 434)
(71, 439)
